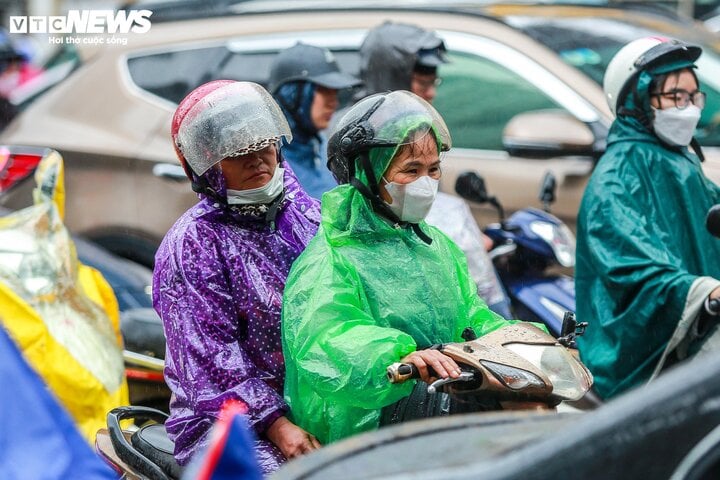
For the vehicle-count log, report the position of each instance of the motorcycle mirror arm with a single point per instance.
(501, 211)
(571, 329)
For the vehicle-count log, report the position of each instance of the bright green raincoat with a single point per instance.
(641, 246)
(360, 297)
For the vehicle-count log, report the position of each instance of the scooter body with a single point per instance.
(526, 246)
(517, 366)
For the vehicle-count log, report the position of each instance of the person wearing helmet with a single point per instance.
(400, 56)
(305, 81)
(646, 264)
(221, 269)
(377, 285)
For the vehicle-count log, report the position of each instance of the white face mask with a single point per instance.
(264, 194)
(412, 201)
(674, 126)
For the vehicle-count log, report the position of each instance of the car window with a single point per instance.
(64, 61)
(172, 75)
(478, 97)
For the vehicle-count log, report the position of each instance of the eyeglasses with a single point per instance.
(683, 98)
(427, 84)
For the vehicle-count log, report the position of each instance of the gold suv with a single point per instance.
(521, 96)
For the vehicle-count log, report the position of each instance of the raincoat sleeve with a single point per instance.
(333, 341)
(203, 325)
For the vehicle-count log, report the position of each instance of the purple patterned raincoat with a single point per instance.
(218, 283)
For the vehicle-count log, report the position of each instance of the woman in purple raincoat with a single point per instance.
(221, 269)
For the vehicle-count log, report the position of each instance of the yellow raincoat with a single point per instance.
(63, 315)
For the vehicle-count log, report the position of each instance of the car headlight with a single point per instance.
(513, 378)
(560, 239)
(570, 380)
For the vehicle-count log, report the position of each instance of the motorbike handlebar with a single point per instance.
(401, 372)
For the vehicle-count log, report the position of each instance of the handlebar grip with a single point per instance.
(401, 372)
(713, 306)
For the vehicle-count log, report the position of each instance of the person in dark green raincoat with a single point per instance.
(645, 262)
(377, 285)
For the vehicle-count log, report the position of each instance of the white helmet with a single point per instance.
(639, 55)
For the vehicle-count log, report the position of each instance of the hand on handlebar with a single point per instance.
(433, 364)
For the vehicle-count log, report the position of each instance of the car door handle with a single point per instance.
(169, 171)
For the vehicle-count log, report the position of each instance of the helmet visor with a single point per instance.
(668, 52)
(392, 120)
(234, 120)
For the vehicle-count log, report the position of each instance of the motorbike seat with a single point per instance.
(153, 442)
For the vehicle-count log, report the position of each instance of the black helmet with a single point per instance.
(387, 120)
(381, 120)
(303, 62)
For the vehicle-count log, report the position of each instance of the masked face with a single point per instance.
(676, 126)
(411, 181)
(254, 177)
(411, 202)
(264, 194)
(675, 113)
(250, 171)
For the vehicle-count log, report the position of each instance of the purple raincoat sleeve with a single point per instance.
(206, 362)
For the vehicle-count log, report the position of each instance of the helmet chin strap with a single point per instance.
(373, 195)
(698, 150)
(199, 184)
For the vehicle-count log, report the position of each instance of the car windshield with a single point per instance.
(589, 43)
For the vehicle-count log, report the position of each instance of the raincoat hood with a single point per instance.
(389, 53)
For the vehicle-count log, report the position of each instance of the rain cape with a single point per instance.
(62, 315)
(217, 285)
(644, 257)
(363, 295)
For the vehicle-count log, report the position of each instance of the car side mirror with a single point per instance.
(170, 171)
(548, 133)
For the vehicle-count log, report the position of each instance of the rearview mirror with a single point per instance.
(547, 133)
(471, 186)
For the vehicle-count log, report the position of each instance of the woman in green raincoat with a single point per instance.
(645, 263)
(377, 285)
